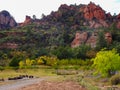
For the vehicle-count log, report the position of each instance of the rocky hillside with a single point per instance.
(85, 19)
(71, 25)
(79, 16)
(6, 20)
(85, 28)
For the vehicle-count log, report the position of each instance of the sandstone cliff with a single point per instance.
(89, 39)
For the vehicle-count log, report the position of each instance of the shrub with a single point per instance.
(14, 62)
(80, 52)
(28, 62)
(63, 52)
(40, 61)
(46, 60)
(115, 79)
(91, 54)
(21, 64)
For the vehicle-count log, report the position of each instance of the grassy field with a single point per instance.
(35, 72)
(83, 77)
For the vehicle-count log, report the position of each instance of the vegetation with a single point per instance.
(37, 46)
(107, 62)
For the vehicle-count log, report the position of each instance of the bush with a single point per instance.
(115, 79)
(63, 52)
(46, 60)
(14, 62)
(80, 52)
(74, 62)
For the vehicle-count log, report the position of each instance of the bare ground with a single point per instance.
(15, 85)
(48, 85)
(41, 84)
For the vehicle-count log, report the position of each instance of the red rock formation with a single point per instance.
(93, 11)
(6, 20)
(27, 21)
(64, 7)
(92, 40)
(108, 37)
(100, 23)
(84, 38)
(80, 38)
(94, 24)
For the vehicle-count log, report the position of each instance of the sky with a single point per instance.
(20, 8)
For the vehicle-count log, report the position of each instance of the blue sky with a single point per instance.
(20, 8)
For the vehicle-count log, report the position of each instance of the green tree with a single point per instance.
(106, 62)
(101, 42)
(34, 17)
(63, 52)
(15, 62)
(80, 52)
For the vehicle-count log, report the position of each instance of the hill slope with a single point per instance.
(41, 36)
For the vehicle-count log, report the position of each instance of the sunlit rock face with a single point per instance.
(89, 39)
(80, 38)
(93, 11)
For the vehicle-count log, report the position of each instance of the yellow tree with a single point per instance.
(107, 62)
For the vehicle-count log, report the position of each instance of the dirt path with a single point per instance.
(48, 85)
(40, 84)
(15, 85)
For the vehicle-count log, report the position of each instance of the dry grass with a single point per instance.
(35, 72)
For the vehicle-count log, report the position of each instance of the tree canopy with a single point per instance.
(106, 62)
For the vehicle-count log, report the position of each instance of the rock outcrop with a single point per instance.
(27, 21)
(92, 11)
(108, 37)
(6, 20)
(96, 16)
(92, 40)
(75, 17)
(80, 38)
(89, 39)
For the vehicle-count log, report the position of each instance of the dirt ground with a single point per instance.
(48, 85)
